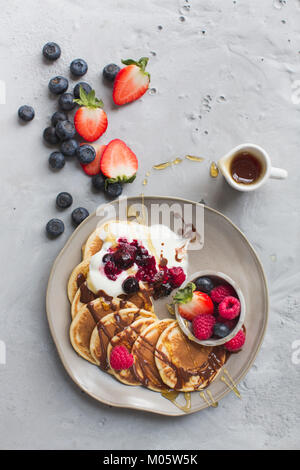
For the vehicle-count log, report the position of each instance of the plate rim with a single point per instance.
(131, 406)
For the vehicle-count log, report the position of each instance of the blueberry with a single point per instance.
(58, 85)
(69, 147)
(78, 67)
(64, 200)
(65, 130)
(130, 285)
(66, 102)
(58, 116)
(85, 154)
(107, 257)
(51, 51)
(85, 86)
(50, 135)
(55, 227)
(79, 214)
(98, 181)
(221, 330)
(204, 284)
(26, 113)
(114, 189)
(110, 72)
(123, 259)
(162, 290)
(56, 160)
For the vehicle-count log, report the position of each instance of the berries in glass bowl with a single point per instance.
(214, 315)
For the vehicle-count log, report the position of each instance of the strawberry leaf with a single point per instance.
(142, 63)
(184, 295)
(88, 100)
(120, 179)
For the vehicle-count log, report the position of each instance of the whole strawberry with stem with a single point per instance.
(131, 82)
(90, 119)
(192, 303)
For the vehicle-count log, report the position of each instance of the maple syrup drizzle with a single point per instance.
(214, 170)
(173, 394)
(232, 385)
(204, 397)
(214, 403)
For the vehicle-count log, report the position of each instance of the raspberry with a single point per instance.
(229, 308)
(177, 276)
(237, 342)
(203, 326)
(120, 358)
(111, 270)
(220, 292)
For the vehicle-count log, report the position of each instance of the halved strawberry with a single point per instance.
(193, 303)
(131, 82)
(90, 120)
(93, 168)
(118, 163)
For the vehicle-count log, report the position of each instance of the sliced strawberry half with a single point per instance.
(93, 168)
(118, 163)
(90, 119)
(192, 303)
(131, 82)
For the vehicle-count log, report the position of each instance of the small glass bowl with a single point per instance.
(186, 326)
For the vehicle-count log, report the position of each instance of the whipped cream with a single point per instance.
(159, 240)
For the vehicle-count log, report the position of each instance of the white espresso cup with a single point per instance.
(267, 170)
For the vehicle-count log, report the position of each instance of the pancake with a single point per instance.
(127, 338)
(108, 327)
(83, 296)
(93, 244)
(185, 365)
(85, 321)
(143, 353)
(78, 277)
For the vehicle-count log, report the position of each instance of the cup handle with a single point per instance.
(278, 173)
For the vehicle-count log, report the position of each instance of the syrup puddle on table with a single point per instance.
(193, 158)
(214, 170)
(162, 166)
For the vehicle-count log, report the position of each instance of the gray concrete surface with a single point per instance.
(222, 73)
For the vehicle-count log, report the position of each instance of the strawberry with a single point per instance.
(193, 303)
(90, 120)
(93, 168)
(118, 163)
(131, 82)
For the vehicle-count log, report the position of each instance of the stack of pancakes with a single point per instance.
(164, 358)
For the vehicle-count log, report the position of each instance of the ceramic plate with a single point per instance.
(225, 249)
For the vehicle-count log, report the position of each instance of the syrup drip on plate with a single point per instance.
(232, 385)
(173, 394)
(170, 309)
(214, 403)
